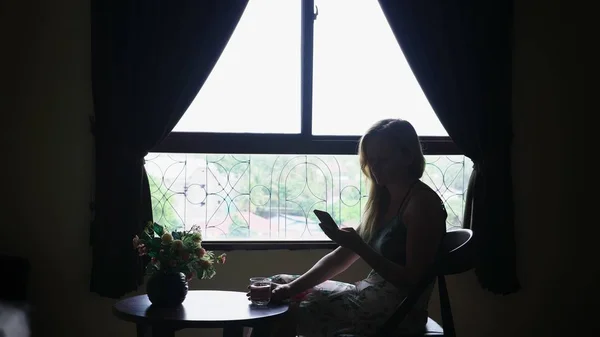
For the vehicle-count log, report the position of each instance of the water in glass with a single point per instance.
(260, 290)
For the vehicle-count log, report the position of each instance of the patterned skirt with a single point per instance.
(335, 307)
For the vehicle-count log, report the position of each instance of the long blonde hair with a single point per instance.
(400, 134)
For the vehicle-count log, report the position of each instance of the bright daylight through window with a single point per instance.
(359, 76)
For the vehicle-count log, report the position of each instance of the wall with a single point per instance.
(556, 263)
(47, 97)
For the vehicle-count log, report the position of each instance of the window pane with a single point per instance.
(271, 197)
(255, 85)
(360, 72)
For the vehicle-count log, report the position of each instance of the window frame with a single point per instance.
(285, 143)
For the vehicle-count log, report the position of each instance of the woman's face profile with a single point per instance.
(386, 163)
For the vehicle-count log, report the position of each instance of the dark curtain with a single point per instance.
(149, 60)
(460, 52)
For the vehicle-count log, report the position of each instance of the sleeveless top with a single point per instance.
(390, 241)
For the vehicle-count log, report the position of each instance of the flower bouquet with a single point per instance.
(175, 258)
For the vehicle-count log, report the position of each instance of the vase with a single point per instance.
(167, 289)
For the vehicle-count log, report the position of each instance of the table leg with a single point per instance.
(233, 331)
(154, 331)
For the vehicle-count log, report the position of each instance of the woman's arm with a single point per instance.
(326, 268)
(425, 220)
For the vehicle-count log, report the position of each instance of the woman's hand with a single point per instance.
(346, 237)
(280, 292)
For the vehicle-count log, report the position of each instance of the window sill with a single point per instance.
(267, 245)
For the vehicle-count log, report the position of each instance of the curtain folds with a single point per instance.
(149, 60)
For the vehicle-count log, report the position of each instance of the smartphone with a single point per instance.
(326, 219)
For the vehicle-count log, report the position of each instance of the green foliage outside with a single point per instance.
(239, 228)
(163, 205)
(292, 186)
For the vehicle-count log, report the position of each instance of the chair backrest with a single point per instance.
(455, 256)
(456, 252)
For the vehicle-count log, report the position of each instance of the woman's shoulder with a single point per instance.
(424, 200)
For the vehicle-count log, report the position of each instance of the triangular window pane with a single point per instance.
(255, 85)
(361, 74)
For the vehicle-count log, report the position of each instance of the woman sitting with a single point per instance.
(403, 224)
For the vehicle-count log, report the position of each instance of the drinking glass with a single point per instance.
(260, 290)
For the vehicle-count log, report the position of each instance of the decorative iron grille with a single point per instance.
(271, 197)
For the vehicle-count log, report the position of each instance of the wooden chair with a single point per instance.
(456, 256)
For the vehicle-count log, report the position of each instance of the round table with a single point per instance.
(229, 310)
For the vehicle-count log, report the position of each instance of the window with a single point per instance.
(359, 70)
(257, 78)
(273, 133)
